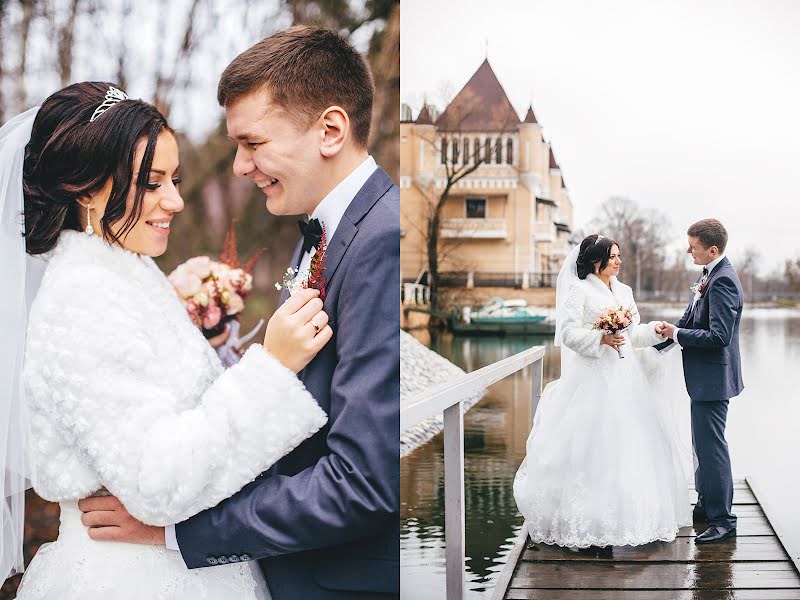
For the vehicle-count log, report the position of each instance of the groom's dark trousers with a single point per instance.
(324, 521)
(709, 336)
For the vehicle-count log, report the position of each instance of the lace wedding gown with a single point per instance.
(603, 464)
(125, 393)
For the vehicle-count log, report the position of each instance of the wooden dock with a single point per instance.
(753, 566)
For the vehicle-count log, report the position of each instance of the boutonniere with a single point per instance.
(699, 287)
(313, 277)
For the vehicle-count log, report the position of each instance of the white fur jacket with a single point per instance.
(124, 392)
(586, 300)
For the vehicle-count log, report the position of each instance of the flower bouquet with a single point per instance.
(214, 291)
(614, 319)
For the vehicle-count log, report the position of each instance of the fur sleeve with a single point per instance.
(86, 366)
(574, 334)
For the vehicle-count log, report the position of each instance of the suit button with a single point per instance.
(233, 558)
(223, 560)
(211, 560)
(244, 557)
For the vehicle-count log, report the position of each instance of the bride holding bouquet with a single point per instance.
(604, 463)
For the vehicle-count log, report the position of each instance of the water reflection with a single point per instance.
(762, 436)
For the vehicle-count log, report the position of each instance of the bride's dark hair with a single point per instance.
(594, 250)
(68, 158)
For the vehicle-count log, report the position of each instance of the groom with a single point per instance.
(708, 333)
(324, 521)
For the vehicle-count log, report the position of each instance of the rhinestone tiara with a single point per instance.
(113, 96)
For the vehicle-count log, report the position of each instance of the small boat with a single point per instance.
(499, 317)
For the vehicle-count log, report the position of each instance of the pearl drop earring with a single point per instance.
(89, 228)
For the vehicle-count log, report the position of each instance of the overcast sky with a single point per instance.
(692, 108)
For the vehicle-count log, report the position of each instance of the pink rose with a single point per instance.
(234, 304)
(186, 284)
(199, 266)
(233, 279)
(219, 270)
(213, 316)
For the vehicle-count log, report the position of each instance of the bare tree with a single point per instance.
(165, 83)
(642, 235)
(66, 42)
(747, 269)
(792, 273)
(21, 95)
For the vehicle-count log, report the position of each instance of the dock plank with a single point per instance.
(753, 566)
(689, 576)
(775, 594)
(752, 548)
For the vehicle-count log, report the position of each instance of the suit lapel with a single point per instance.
(711, 275)
(369, 194)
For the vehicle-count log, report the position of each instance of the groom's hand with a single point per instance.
(666, 329)
(298, 330)
(109, 521)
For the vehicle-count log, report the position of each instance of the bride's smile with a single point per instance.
(161, 199)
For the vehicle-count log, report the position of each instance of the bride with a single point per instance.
(605, 461)
(119, 390)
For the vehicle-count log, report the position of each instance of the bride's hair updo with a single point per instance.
(69, 158)
(594, 250)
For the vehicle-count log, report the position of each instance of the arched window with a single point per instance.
(477, 144)
(466, 150)
(487, 150)
(510, 151)
(444, 151)
(454, 150)
(498, 151)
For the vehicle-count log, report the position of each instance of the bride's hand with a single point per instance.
(614, 340)
(298, 330)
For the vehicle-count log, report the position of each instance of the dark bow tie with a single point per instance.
(705, 271)
(312, 234)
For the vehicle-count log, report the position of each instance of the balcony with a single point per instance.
(487, 229)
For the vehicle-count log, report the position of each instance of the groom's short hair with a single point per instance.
(710, 232)
(305, 69)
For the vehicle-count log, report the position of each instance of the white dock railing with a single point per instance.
(448, 398)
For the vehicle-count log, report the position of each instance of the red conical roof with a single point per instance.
(424, 116)
(530, 117)
(481, 105)
(553, 163)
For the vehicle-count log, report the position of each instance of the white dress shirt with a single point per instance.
(710, 267)
(329, 212)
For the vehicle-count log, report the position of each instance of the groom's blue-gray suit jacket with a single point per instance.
(709, 336)
(324, 521)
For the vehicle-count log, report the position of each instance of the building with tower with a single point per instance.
(507, 222)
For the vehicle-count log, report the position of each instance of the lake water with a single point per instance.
(763, 436)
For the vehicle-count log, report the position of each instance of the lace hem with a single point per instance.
(662, 535)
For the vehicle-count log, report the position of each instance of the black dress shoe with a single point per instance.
(715, 534)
